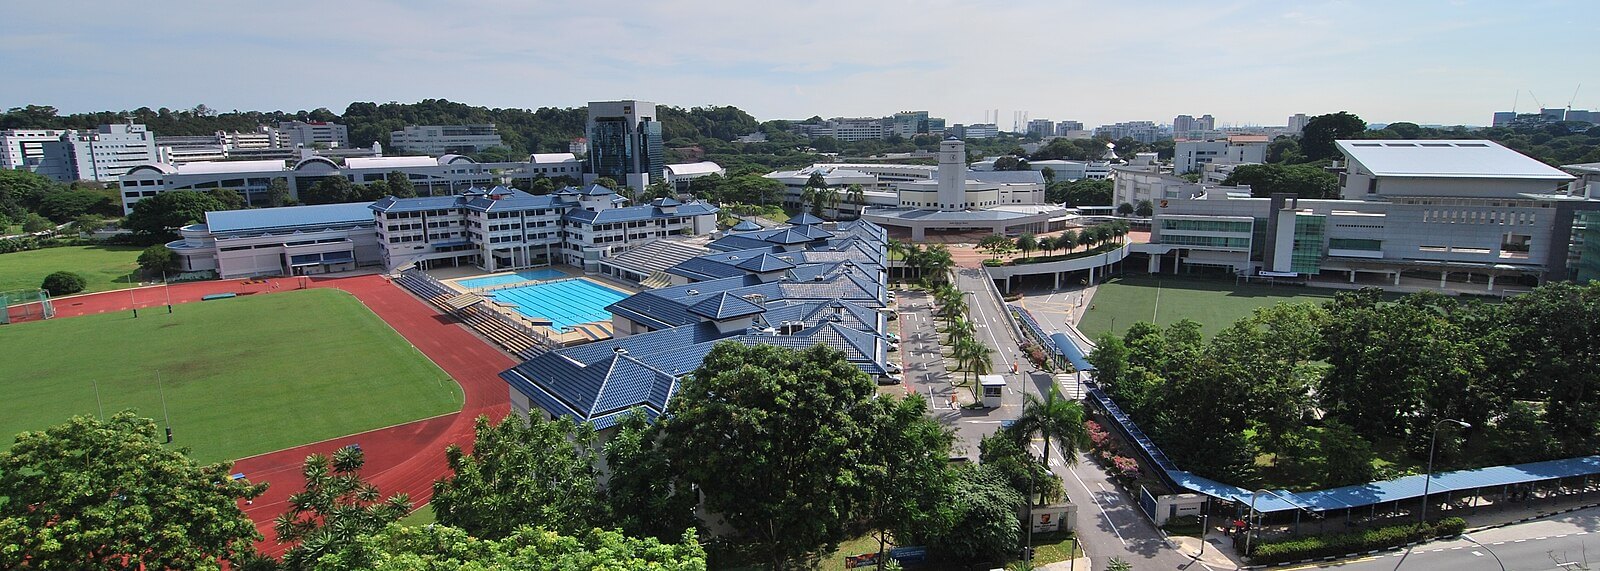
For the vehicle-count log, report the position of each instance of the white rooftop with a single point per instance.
(702, 167)
(547, 158)
(389, 162)
(1446, 159)
(215, 167)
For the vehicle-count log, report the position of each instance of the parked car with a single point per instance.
(891, 379)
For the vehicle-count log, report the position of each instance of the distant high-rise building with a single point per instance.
(1503, 118)
(1042, 127)
(1188, 127)
(908, 124)
(1141, 131)
(1297, 123)
(625, 142)
(1065, 128)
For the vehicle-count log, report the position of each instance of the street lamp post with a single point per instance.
(1428, 478)
(1250, 528)
(1485, 548)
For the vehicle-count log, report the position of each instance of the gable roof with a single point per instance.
(745, 226)
(804, 218)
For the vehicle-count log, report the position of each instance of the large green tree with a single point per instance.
(21, 191)
(1307, 181)
(335, 510)
(88, 494)
(521, 472)
(775, 439)
(156, 218)
(905, 471)
(1316, 141)
(984, 526)
(400, 185)
(330, 190)
(643, 490)
(445, 548)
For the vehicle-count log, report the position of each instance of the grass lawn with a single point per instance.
(1120, 302)
(241, 376)
(103, 267)
(423, 516)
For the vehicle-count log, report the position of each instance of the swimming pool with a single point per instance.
(564, 303)
(522, 276)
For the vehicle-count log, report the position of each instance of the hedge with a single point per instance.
(1318, 546)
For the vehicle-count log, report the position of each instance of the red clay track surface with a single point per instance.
(404, 458)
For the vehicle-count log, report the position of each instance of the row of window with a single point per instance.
(1237, 226)
(1479, 217)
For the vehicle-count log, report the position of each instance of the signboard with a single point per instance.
(863, 560)
(1045, 522)
(909, 555)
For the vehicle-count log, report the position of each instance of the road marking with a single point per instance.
(1102, 508)
(1479, 554)
(984, 421)
(1518, 540)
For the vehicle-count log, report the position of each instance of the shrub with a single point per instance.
(1316, 546)
(63, 283)
(1125, 467)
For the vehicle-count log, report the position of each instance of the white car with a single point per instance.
(891, 379)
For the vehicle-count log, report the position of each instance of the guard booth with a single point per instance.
(994, 389)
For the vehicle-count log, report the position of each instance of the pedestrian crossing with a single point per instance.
(1070, 387)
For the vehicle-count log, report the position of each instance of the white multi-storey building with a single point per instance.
(1466, 210)
(102, 154)
(1192, 156)
(445, 139)
(29, 149)
(308, 134)
(493, 229)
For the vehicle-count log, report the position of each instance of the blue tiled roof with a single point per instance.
(789, 236)
(595, 190)
(665, 201)
(764, 263)
(420, 203)
(725, 306)
(745, 226)
(636, 213)
(814, 232)
(257, 219)
(1071, 351)
(744, 241)
(516, 200)
(804, 218)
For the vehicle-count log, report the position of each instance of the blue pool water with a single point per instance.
(503, 279)
(564, 303)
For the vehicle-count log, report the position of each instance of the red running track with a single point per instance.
(404, 458)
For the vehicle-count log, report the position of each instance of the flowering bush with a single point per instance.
(1099, 439)
(1125, 467)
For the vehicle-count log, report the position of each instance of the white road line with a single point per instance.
(985, 317)
(1096, 499)
(1477, 554)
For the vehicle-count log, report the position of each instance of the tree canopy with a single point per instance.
(335, 509)
(445, 548)
(157, 217)
(91, 494)
(1316, 140)
(1307, 181)
(489, 493)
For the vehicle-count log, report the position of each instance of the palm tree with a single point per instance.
(1057, 418)
(1048, 244)
(937, 262)
(959, 330)
(854, 194)
(808, 199)
(974, 358)
(1068, 240)
(1027, 243)
(953, 308)
(828, 198)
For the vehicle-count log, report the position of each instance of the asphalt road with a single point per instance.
(1109, 524)
(1570, 542)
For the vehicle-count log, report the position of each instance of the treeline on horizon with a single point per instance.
(550, 129)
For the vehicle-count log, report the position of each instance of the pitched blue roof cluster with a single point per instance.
(823, 296)
(804, 218)
(474, 199)
(745, 226)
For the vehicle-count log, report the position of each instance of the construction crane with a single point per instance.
(1535, 99)
(1574, 97)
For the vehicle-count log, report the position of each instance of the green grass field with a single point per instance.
(1121, 302)
(103, 267)
(241, 376)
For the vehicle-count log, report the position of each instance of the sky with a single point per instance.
(1246, 62)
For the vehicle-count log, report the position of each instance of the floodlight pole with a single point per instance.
(97, 402)
(167, 287)
(134, 302)
(1428, 479)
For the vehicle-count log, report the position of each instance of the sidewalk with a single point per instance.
(1219, 552)
(1079, 564)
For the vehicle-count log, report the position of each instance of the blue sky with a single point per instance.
(1243, 61)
